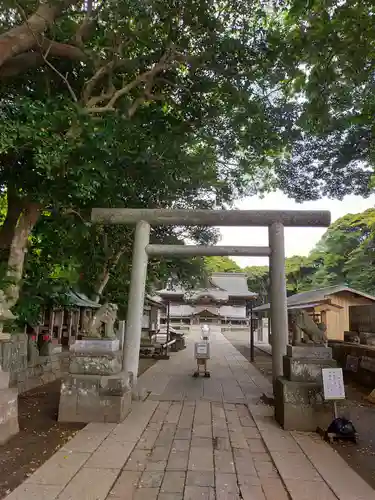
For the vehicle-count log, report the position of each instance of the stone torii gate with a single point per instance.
(142, 250)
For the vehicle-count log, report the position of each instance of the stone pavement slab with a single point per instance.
(196, 439)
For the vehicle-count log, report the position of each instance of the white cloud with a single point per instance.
(298, 241)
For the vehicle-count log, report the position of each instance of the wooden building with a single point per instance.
(151, 314)
(222, 302)
(329, 305)
(64, 325)
(67, 324)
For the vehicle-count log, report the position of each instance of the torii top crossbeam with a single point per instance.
(166, 217)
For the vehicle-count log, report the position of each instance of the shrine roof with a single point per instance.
(81, 300)
(232, 284)
(312, 298)
(154, 300)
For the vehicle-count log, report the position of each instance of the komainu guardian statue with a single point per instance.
(106, 315)
(304, 327)
(5, 312)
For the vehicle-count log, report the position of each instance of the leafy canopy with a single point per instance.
(344, 255)
(330, 46)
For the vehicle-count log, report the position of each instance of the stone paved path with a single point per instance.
(196, 439)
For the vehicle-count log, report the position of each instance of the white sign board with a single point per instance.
(202, 349)
(333, 383)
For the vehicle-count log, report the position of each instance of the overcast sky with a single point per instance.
(298, 241)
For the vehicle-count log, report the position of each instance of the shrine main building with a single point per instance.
(224, 301)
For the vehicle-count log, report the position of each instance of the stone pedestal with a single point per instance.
(299, 400)
(95, 390)
(8, 409)
(95, 345)
(180, 343)
(98, 363)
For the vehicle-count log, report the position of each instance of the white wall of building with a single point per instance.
(145, 320)
(186, 310)
(151, 318)
(178, 310)
(155, 318)
(233, 311)
(261, 334)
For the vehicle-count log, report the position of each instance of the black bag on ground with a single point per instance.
(342, 427)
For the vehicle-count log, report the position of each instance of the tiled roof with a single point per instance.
(214, 293)
(317, 295)
(81, 300)
(154, 300)
(235, 284)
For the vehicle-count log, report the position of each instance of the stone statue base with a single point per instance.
(95, 345)
(94, 398)
(8, 409)
(299, 400)
(90, 363)
(95, 390)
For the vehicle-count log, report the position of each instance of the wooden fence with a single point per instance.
(362, 318)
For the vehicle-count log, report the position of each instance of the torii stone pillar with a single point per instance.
(132, 343)
(279, 313)
(143, 218)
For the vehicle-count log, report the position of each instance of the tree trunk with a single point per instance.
(101, 283)
(14, 209)
(29, 216)
(28, 60)
(104, 276)
(26, 36)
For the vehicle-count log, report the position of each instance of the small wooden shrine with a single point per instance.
(64, 325)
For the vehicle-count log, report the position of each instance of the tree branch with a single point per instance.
(45, 56)
(33, 59)
(105, 70)
(94, 80)
(23, 38)
(85, 26)
(146, 76)
(84, 31)
(136, 104)
(63, 78)
(71, 211)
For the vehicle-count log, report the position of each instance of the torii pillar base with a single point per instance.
(299, 398)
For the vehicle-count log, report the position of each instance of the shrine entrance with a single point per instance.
(205, 316)
(143, 250)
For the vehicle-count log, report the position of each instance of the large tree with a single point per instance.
(221, 265)
(345, 253)
(92, 91)
(258, 282)
(330, 47)
(68, 253)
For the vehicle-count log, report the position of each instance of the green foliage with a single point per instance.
(155, 105)
(155, 84)
(221, 265)
(345, 254)
(330, 48)
(298, 271)
(67, 253)
(183, 104)
(258, 282)
(259, 97)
